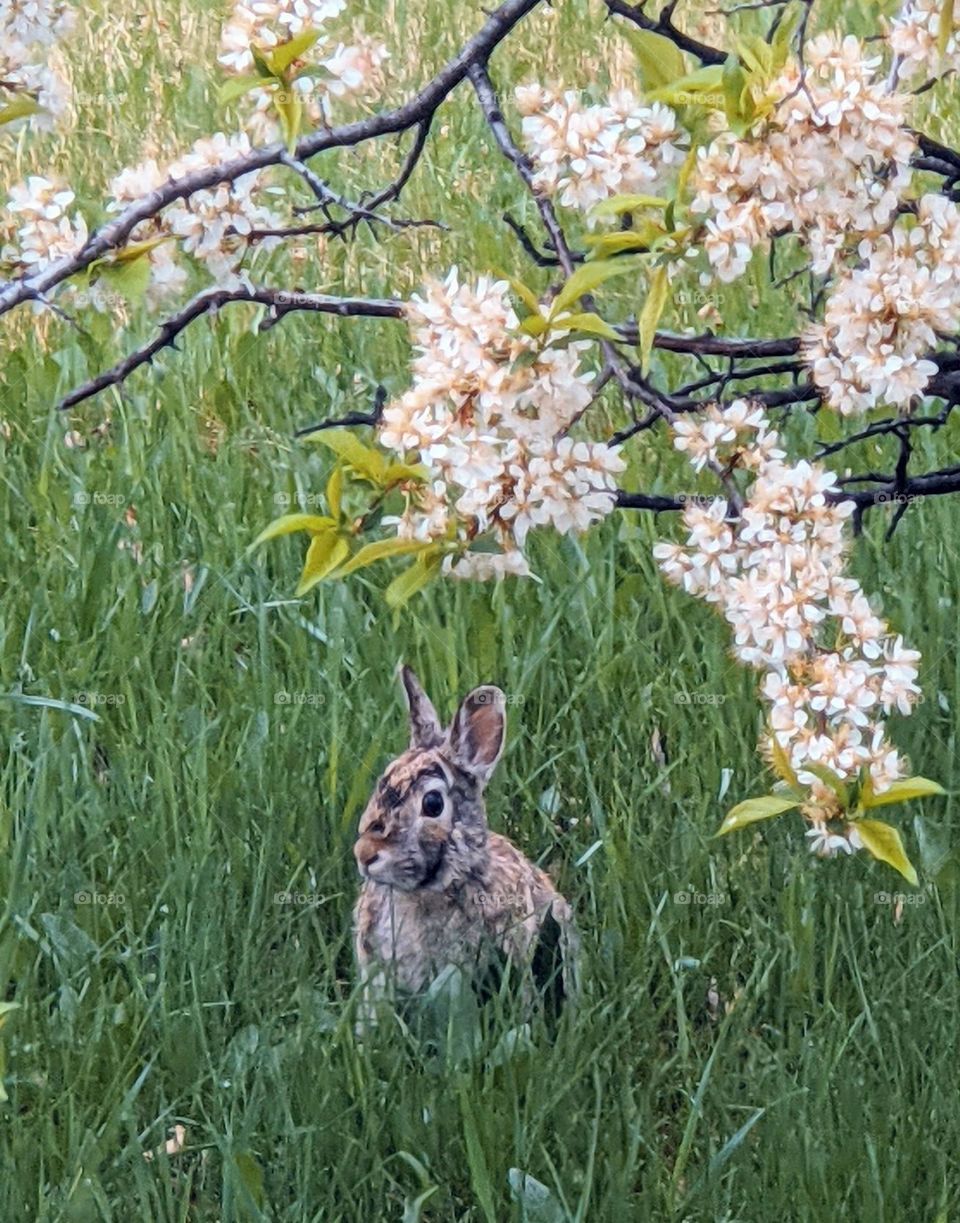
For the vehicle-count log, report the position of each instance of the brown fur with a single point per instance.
(441, 889)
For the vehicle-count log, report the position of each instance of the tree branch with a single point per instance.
(416, 111)
(280, 302)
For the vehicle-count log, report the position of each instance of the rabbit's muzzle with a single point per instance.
(400, 862)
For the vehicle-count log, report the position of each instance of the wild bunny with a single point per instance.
(439, 887)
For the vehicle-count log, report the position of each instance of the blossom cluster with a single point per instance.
(29, 64)
(830, 162)
(337, 69)
(832, 669)
(39, 225)
(488, 415)
(586, 154)
(882, 319)
(213, 225)
(914, 37)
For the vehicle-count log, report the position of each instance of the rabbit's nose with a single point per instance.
(367, 854)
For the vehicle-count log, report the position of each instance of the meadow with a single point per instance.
(763, 1035)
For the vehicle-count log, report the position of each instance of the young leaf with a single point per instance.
(534, 325)
(883, 842)
(605, 245)
(382, 549)
(394, 473)
(129, 277)
(945, 23)
(526, 295)
(901, 792)
(830, 779)
(660, 61)
(283, 56)
(585, 279)
(650, 315)
(781, 764)
(19, 108)
(734, 81)
(763, 808)
(780, 45)
(700, 88)
(290, 109)
(364, 461)
(335, 491)
(287, 524)
(327, 550)
(236, 87)
(616, 205)
(413, 579)
(591, 323)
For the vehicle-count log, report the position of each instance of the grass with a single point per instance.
(176, 874)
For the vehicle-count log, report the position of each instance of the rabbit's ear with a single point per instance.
(425, 728)
(479, 729)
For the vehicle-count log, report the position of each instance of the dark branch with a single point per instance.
(280, 302)
(416, 111)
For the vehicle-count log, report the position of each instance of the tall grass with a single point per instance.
(763, 1036)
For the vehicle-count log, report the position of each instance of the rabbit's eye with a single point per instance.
(433, 804)
(376, 827)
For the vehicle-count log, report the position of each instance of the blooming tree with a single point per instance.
(790, 141)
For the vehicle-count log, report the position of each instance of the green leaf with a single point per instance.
(756, 54)
(650, 315)
(754, 809)
(383, 549)
(327, 550)
(780, 44)
(734, 82)
(236, 87)
(262, 64)
(134, 250)
(526, 295)
(883, 842)
(605, 245)
(335, 491)
(287, 524)
(283, 56)
(6, 1009)
(590, 323)
(364, 461)
(945, 24)
(695, 89)
(129, 277)
(781, 764)
(290, 109)
(585, 279)
(19, 108)
(395, 473)
(616, 205)
(901, 792)
(660, 61)
(534, 325)
(414, 578)
(831, 780)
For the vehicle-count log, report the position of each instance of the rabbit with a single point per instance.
(439, 888)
